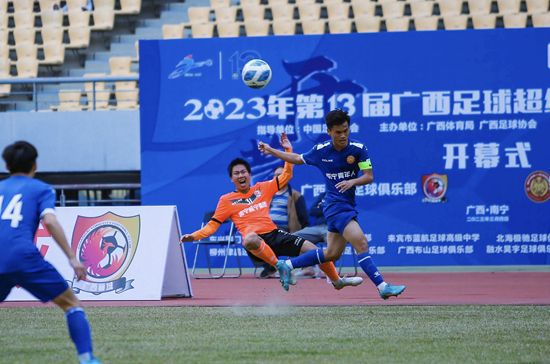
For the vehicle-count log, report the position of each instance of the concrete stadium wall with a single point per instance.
(84, 141)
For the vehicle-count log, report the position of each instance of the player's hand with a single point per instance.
(343, 186)
(79, 269)
(264, 148)
(187, 238)
(285, 143)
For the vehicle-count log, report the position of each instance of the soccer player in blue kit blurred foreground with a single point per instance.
(340, 160)
(24, 201)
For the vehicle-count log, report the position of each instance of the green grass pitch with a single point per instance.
(279, 334)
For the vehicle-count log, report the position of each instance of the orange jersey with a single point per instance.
(248, 211)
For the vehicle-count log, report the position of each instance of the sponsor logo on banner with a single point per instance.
(537, 186)
(105, 245)
(434, 187)
(184, 67)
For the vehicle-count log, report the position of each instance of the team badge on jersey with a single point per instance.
(537, 186)
(106, 245)
(434, 187)
(350, 159)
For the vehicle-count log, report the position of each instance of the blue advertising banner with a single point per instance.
(457, 125)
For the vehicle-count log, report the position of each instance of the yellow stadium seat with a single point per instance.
(249, 2)
(24, 19)
(397, 24)
(226, 15)
(515, 20)
(337, 10)
(52, 35)
(26, 50)
(4, 19)
(3, 36)
(253, 12)
(228, 29)
(282, 11)
(457, 22)
(172, 31)
(508, 6)
(23, 6)
(54, 54)
(537, 6)
(284, 27)
(257, 27)
(367, 24)
(73, 5)
(362, 8)
(79, 37)
(101, 95)
(69, 100)
(304, 2)
(51, 18)
(127, 95)
(421, 8)
(109, 4)
(5, 89)
(339, 26)
(309, 11)
(393, 9)
(202, 30)
(24, 35)
(215, 4)
(78, 17)
(104, 18)
(426, 23)
(450, 7)
(541, 20)
(479, 7)
(198, 14)
(313, 26)
(47, 5)
(484, 21)
(27, 67)
(129, 7)
(120, 66)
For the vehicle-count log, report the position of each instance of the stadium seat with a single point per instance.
(52, 35)
(282, 11)
(284, 27)
(102, 94)
(27, 67)
(309, 11)
(47, 5)
(73, 5)
(484, 21)
(104, 18)
(54, 54)
(313, 26)
(393, 9)
(202, 30)
(5, 89)
(129, 7)
(172, 31)
(304, 2)
(228, 29)
(215, 4)
(367, 24)
(127, 95)
(224, 237)
(198, 14)
(4, 19)
(541, 20)
(51, 18)
(26, 50)
(457, 22)
(120, 66)
(337, 10)
(339, 26)
(479, 7)
(4, 52)
(79, 37)
(362, 8)
(450, 7)
(256, 27)
(397, 24)
(253, 12)
(4, 36)
(421, 8)
(515, 20)
(249, 2)
(24, 35)
(226, 14)
(109, 4)
(537, 6)
(78, 18)
(508, 6)
(24, 19)
(69, 100)
(426, 23)
(22, 6)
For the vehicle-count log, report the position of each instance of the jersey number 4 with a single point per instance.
(12, 211)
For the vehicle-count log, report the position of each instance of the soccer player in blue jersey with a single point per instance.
(23, 202)
(345, 164)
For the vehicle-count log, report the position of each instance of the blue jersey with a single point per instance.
(338, 166)
(23, 202)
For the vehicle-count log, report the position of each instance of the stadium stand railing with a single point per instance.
(104, 194)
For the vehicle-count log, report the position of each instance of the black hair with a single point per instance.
(20, 157)
(236, 162)
(336, 117)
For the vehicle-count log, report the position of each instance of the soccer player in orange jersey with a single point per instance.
(248, 208)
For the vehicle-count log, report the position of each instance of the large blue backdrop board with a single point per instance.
(457, 125)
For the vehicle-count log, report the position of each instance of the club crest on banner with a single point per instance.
(537, 186)
(105, 245)
(434, 187)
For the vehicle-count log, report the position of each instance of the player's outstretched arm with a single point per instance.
(210, 228)
(52, 225)
(287, 155)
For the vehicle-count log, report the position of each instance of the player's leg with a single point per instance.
(257, 246)
(78, 325)
(354, 234)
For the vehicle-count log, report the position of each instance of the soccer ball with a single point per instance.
(256, 73)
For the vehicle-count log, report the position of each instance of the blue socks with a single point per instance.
(308, 259)
(79, 330)
(366, 263)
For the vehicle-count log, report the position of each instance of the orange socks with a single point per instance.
(330, 271)
(265, 253)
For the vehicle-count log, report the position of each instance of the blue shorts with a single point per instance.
(338, 217)
(43, 282)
